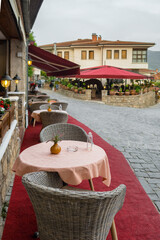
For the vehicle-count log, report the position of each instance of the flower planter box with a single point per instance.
(4, 125)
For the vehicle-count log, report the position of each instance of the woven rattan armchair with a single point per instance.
(48, 118)
(70, 214)
(41, 93)
(35, 106)
(43, 97)
(63, 104)
(67, 130)
(45, 106)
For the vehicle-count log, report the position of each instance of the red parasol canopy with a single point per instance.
(50, 63)
(109, 72)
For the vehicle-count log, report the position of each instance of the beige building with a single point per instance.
(96, 52)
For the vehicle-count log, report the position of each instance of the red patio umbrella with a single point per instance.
(109, 72)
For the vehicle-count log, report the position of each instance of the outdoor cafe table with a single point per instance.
(36, 114)
(72, 167)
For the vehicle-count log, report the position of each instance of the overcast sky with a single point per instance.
(126, 20)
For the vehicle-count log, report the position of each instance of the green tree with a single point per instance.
(44, 74)
(30, 71)
(31, 39)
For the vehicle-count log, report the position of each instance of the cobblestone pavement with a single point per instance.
(134, 132)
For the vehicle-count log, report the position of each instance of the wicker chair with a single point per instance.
(45, 106)
(43, 97)
(35, 106)
(71, 214)
(68, 131)
(63, 104)
(48, 118)
(54, 99)
(41, 93)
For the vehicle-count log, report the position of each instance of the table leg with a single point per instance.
(114, 231)
(34, 123)
(113, 226)
(91, 184)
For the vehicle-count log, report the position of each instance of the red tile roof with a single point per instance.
(90, 42)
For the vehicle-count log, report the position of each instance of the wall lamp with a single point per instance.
(29, 61)
(16, 79)
(5, 82)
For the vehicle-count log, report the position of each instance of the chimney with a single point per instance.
(94, 37)
(99, 38)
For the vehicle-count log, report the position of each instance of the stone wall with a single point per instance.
(84, 96)
(18, 64)
(135, 101)
(7, 161)
(21, 107)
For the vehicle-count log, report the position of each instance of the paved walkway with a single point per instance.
(135, 132)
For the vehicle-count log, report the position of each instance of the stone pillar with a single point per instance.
(104, 94)
(88, 94)
(21, 107)
(18, 64)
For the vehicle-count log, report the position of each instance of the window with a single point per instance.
(91, 54)
(124, 54)
(116, 54)
(139, 55)
(83, 55)
(66, 55)
(59, 54)
(109, 54)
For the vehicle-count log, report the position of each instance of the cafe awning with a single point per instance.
(109, 72)
(51, 64)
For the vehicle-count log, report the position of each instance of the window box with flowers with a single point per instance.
(6, 116)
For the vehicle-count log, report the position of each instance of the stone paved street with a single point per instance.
(135, 132)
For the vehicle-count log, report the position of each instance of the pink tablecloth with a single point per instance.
(73, 167)
(36, 114)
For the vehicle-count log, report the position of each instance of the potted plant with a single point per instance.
(120, 93)
(80, 90)
(112, 92)
(49, 108)
(55, 149)
(127, 92)
(133, 91)
(76, 89)
(138, 89)
(83, 90)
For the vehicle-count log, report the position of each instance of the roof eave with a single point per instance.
(30, 10)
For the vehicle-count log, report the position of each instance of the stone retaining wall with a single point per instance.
(9, 151)
(84, 96)
(8, 158)
(135, 101)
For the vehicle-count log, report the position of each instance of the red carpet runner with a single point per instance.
(137, 220)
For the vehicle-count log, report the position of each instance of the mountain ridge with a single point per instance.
(153, 60)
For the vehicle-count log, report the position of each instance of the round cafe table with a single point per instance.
(73, 167)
